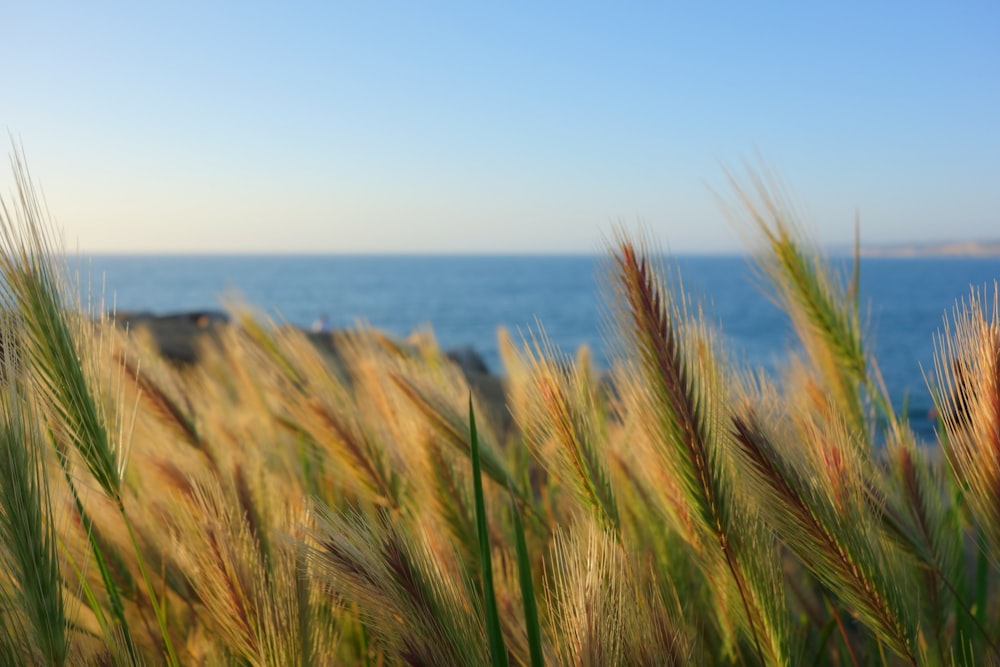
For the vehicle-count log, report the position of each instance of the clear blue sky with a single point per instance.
(498, 127)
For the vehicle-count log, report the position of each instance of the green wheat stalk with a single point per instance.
(28, 539)
(825, 314)
(838, 553)
(33, 289)
(683, 397)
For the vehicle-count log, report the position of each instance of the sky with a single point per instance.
(495, 127)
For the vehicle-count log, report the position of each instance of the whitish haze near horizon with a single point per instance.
(475, 127)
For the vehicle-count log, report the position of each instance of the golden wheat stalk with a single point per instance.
(824, 313)
(408, 595)
(967, 365)
(563, 424)
(683, 399)
(602, 610)
(828, 533)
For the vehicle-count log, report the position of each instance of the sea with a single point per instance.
(464, 299)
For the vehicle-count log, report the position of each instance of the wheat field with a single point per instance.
(276, 505)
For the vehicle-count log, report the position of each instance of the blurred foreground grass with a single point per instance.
(273, 505)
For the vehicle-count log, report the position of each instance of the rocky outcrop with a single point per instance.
(470, 361)
(176, 334)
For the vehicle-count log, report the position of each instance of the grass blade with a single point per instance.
(114, 595)
(498, 650)
(527, 587)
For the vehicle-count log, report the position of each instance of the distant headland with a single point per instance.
(941, 249)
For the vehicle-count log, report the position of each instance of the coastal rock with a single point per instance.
(469, 360)
(176, 334)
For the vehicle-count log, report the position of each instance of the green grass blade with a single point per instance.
(114, 596)
(159, 606)
(88, 594)
(498, 650)
(527, 586)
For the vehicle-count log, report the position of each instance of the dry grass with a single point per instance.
(271, 506)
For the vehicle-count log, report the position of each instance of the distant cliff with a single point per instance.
(945, 249)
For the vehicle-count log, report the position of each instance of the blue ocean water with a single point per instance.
(465, 299)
